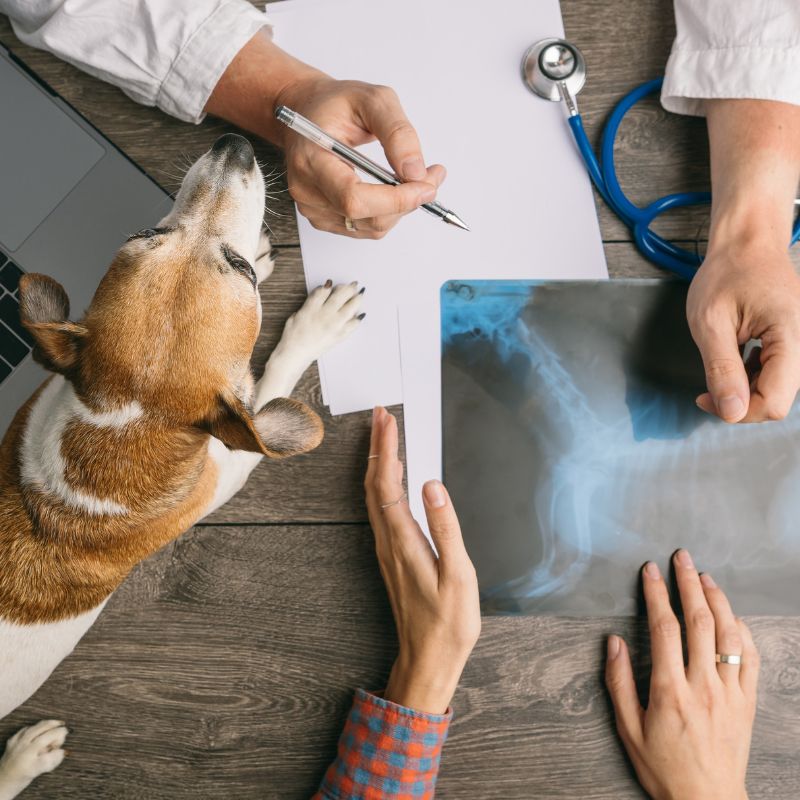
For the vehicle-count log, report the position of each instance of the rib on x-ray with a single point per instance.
(574, 451)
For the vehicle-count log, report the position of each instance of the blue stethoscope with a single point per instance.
(556, 70)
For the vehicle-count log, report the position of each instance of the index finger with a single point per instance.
(776, 386)
(356, 199)
(384, 484)
(383, 115)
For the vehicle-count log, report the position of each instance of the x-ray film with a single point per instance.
(574, 451)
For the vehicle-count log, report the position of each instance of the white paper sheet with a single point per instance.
(513, 175)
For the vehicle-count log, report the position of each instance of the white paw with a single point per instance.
(264, 264)
(31, 752)
(329, 315)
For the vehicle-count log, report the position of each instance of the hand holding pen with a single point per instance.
(327, 190)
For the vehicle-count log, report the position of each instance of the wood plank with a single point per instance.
(225, 665)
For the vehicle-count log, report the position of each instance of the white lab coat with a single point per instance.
(171, 53)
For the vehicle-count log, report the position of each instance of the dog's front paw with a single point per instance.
(31, 752)
(329, 315)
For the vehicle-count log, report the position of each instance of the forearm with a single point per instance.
(169, 55)
(755, 168)
(386, 751)
(251, 87)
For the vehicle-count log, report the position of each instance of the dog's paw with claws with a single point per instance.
(329, 315)
(29, 753)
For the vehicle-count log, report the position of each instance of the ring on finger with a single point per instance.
(374, 455)
(349, 224)
(728, 658)
(397, 502)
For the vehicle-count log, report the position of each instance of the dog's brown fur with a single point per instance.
(58, 562)
(171, 328)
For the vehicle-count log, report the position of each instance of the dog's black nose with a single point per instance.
(235, 149)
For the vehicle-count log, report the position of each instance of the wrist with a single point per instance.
(420, 688)
(743, 226)
(249, 90)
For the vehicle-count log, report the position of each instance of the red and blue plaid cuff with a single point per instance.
(386, 752)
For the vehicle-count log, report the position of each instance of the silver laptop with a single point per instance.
(68, 199)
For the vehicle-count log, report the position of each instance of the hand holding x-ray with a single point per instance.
(738, 295)
(693, 740)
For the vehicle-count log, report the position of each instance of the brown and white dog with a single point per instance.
(152, 420)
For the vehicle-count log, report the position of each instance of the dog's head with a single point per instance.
(173, 323)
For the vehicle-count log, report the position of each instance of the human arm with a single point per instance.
(392, 745)
(693, 740)
(738, 63)
(192, 57)
(169, 55)
(747, 287)
(262, 77)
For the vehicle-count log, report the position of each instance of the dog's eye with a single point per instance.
(240, 264)
(148, 233)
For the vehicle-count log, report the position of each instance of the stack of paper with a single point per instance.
(514, 176)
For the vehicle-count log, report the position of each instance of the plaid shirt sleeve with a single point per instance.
(386, 752)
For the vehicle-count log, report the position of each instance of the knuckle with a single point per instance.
(380, 226)
(667, 627)
(731, 641)
(775, 410)
(352, 205)
(718, 369)
(296, 192)
(387, 488)
(702, 620)
(662, 690)
(383, 94)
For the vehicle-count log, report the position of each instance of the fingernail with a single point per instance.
(434, 495)
(361, 315)
(684, 559)
(413, 169)
(363, 289)
(613, 647)
(427, 196)
(328, 283)
(652, 570)
(707, 581)
(375, 412)
(731, 407)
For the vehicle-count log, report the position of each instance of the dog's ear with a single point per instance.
(43, 310)
(284, 427)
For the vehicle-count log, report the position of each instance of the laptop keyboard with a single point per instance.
(15, 341)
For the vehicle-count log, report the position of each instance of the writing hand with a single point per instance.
(326, 189)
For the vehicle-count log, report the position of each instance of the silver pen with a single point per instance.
(299, 124)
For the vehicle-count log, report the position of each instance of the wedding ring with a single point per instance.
(724, 658)
(399, 500)
(374, 455)
(349, 224)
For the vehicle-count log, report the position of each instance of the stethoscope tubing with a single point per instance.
(602, 172)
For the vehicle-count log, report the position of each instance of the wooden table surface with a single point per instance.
(224, 666)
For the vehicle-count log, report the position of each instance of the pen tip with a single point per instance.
(454, 219)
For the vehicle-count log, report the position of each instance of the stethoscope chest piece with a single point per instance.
(551, 62)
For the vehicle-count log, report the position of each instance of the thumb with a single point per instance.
(726, 377)
(622, 688)
(384, 117)
(443, 525)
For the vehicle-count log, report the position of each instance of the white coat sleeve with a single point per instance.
(164, 53)
(733, 49)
